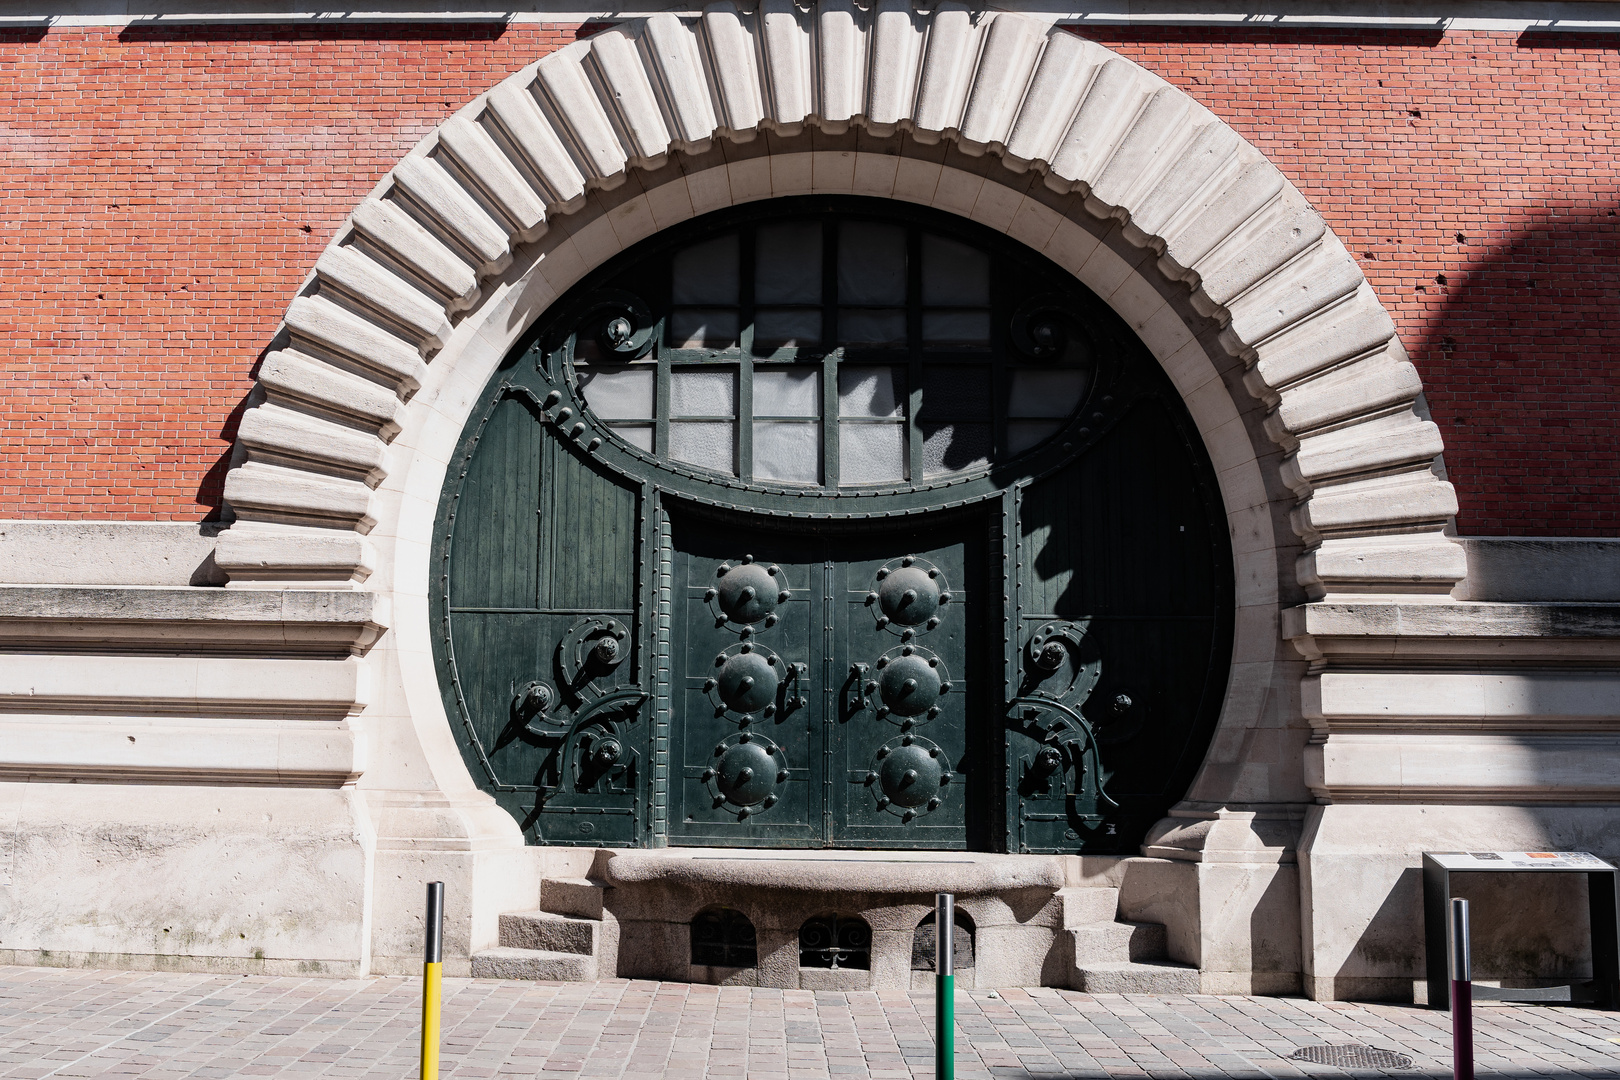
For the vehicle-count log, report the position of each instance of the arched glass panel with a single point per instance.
(829, 351)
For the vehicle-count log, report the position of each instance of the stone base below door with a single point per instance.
(834, 920)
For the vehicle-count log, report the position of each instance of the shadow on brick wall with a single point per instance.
(1520, 372)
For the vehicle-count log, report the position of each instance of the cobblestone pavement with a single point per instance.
(61, 1023)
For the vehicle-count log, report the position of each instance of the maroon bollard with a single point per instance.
(1462, 994)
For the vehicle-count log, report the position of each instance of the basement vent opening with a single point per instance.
(1351, 1056)
(835, 941)
(724, 937)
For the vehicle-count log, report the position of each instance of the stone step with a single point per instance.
(546, 931)
(580, 897)
(1085, 905)
(1125, 977)
(506, 963)
(1118, 942)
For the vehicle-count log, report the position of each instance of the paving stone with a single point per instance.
(154, 1026)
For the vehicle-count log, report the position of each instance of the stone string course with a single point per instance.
(160, 223)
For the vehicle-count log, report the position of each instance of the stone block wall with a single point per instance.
(170, 188)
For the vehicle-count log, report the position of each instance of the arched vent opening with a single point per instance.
(924, 943)
(723, 937)
(835, 941)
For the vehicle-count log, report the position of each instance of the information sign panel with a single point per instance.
(1477, 861)
(1601, 891)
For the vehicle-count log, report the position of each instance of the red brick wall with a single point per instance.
(1474, 176)
(164, 196)
(166, 193)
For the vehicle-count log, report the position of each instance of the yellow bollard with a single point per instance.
(432, 968)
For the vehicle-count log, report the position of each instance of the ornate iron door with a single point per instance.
(832, 523)
(822, 688)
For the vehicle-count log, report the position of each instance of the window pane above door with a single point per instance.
(914, 326)
(787, 392)
(788, 453)
(871, 391)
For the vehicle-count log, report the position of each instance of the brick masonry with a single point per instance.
(168, 190)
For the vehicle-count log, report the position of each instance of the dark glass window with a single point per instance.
(830, 351)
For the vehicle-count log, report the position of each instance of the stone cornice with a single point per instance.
(1435, 635)
(191, 621)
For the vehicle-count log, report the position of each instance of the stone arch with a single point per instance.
(476, 209)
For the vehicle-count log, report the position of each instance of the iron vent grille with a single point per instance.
(1352, 1056)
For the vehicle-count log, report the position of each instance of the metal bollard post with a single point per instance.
(1462, 994)
(431, 968)
(944, 986)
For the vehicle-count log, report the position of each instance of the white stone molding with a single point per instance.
(1216, 216)
(182, 685)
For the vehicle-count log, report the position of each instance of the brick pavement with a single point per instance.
(70, 1023)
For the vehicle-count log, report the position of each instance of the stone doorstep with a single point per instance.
(1119, 941)
(579, 897)
(533, 964)
(1085, 905)
(911, 873)
(549, 932)
(1127, 977)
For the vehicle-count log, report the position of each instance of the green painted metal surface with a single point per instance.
(644, 641)
(843, 685)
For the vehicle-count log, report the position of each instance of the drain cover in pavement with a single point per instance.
(1352, 1057)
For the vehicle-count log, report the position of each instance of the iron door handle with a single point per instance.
(861, 673)
(801, 675)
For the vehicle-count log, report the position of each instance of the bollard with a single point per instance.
(1462, 994)
(433, 964)
(944, 986)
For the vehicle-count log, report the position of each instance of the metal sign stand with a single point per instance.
(944, 986)
(1601, 881)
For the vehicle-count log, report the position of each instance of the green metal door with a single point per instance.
(832, 523)
(823, 689)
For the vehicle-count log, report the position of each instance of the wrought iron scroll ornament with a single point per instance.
(832, 941)
(590, 743)
(1062, 667)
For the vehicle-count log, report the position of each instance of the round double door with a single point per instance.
(832, 522)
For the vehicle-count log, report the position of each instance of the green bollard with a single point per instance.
(944, 986)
